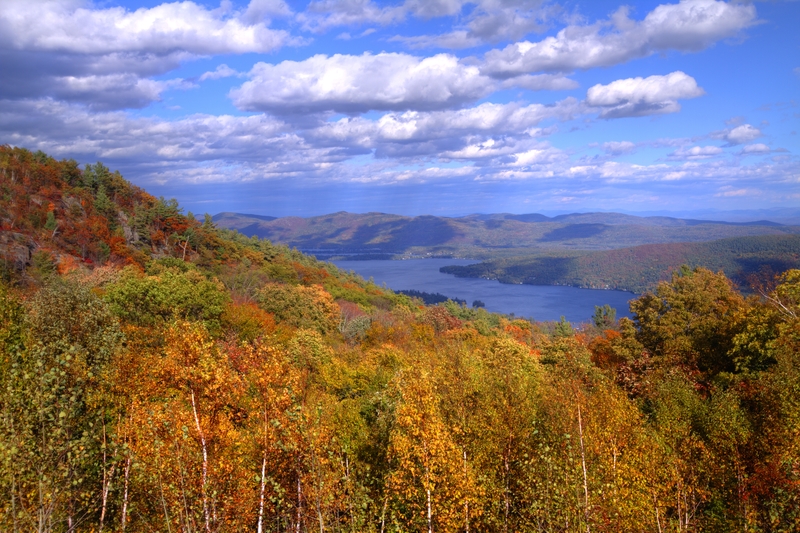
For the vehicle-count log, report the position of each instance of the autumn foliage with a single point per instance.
(160, 374)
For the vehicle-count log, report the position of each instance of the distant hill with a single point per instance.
(484, 236)
(234, 216)
(640, 268)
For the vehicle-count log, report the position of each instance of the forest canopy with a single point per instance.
(158, 373)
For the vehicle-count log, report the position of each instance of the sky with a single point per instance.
(441, 107)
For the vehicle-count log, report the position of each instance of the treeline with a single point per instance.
(431, 298)
(245, 387)
(641, 268)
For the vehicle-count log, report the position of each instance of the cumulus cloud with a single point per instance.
(456, 127)
(489, 135)
(690, 174)
(63, 26)
(321, 15)
(741, 134)
(636, 97)
(427, 9)
(62, 49)
(467, 146)
(114, 90)
(62, 128)
(222, 71)
(728, 192)
(454, 40)
(488, 21)
(755, 149)
(259, 10)
(353, 84)
(195, 149)
(541, 82)
(690, 25)
(694, 153)
(619, 147)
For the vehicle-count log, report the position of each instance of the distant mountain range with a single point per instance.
(594, 250)
(484, 236)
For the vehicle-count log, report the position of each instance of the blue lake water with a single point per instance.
(540, 302)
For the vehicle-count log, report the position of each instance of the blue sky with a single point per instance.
(440, 107)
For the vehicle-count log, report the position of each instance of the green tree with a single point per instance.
(563, 328)
(691, 320)
(151, 300)
(51, 224)
(604, 317)
(51, 409)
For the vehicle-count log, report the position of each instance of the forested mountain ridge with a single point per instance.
(641, 268)
(484, 236)
(193, 379)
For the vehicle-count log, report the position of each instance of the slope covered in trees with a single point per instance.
(198, 380)
(641, 268)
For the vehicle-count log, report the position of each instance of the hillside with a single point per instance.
(159, 373)
(483, 236)
(641, 268)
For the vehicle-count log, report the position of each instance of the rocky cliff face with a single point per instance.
(16, 249)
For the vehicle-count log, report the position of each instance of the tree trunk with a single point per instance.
(108, 475)
(261, 496)
(161, 491)
(585, 477)
(466, 502)
(124, 523)
(206, 512)
(299, 504)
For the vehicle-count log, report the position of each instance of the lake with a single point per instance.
(540, 302)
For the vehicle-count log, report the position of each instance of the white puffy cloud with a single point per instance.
(541, 82)
(262, 146)
(619, 147)
(693, 25)
(700, 175)
(728, 192)
(434, 8)
(494, 20)
(259, 10)
(690, 25)
(64, 26)
(352, 84)
(485, 134)
(112, 91)
(468, 146)
(755, 149)
(321, 15)
(635, 97)
(694, 153)
(454, 40)
(104, 57)
(222, 71)
(541, 157)
(488, 21)
(741, 134)
(60, 128)
(650, 90)
(453, 126)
